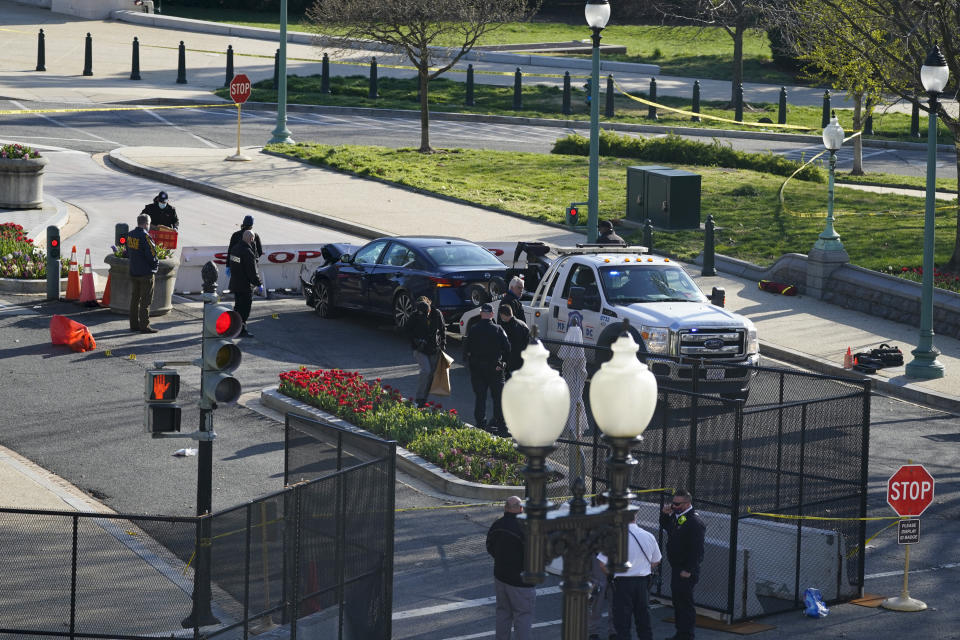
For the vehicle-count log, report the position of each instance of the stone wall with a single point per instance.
(92, 9)
(877, 294)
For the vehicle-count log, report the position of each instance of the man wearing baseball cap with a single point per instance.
(162, 213)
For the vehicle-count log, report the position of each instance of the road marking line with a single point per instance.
(178, 127)
(887, 574)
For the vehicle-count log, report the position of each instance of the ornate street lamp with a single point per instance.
(597, 13)
(536, 400)
(829, 239)
(934, 75)
(280, 132)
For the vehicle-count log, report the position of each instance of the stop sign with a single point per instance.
(910, 490)
(240, 88)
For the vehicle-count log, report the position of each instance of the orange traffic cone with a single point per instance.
(88, 294)
(848, 359)
(105, 302)
(73, 278)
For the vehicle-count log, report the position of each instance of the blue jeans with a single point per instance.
(631, 600)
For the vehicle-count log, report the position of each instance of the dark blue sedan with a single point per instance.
(387, 275)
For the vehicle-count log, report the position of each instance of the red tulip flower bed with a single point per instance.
(435, 434)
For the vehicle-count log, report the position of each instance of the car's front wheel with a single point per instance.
(322, 299)
(402, 310)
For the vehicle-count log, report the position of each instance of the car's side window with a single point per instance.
(399, 256)
(369, 253)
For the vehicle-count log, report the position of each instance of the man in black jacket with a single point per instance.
(519, 335)
(686, 530)
(607, 235)
(515, 598)
(512, 297)
(144, 263)
(486, 349)
(244, 278)
(161, 212)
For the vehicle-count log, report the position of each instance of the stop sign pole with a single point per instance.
(909, 493)
(239, 92)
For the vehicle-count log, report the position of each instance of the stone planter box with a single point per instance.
(21, 183)
(164, 280)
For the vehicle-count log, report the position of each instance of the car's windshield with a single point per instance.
(626, 284)
(462, 255)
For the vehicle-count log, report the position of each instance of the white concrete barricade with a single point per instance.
(280, 266)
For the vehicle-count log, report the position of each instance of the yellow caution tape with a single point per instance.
(790, 517)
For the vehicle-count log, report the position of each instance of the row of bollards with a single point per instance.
(709, 244)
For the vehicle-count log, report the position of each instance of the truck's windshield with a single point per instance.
(627, 284)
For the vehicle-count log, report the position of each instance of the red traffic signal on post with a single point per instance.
(161, 388)
(573, 215)
(221, 356)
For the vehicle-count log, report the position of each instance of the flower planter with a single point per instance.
(163, 283)
(21, 183)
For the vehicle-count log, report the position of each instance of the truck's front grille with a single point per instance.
(712, 343)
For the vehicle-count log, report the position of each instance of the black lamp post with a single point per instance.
(536, 401)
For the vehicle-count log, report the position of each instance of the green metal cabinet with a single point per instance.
(672, 199)
(637, 191)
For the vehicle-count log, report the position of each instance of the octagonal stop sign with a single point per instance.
(240, 88)
(910, 490)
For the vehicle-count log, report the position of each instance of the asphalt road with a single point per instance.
(97, 131)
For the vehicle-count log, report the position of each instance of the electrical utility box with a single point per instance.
(637, 191)
(672, 199)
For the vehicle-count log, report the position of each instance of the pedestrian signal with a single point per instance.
(120, 231)
(161, 388)
(573, 216)
(220, 356)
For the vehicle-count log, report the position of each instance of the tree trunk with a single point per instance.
(424, 110)
(738, 32)
(857, 169)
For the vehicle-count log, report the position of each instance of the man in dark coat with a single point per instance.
(519, 335)
(486, 349)
(238, 235)
(515, 598)
(512, 297)
(144, 263)
(244, 278)
(685, 530)
(162, 213)
(607, 236)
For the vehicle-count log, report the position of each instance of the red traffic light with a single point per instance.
(54, 243)
(228, 324)
(123, 240)
(573, 212)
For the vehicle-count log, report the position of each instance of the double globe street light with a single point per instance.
(536, 402)
(934, 75)
(597, 13)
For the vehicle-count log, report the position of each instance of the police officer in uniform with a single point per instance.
(685, 530)
(486, 349)
(607, 236)
(144, 263)
(244, 277)
(162, 213)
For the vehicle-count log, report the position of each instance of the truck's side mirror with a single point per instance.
(575, 301)
(718, 296)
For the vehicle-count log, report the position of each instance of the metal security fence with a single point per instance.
(316, 557)
(795, 449)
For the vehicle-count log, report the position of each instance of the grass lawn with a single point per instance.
(539, 101)
(668, 47)
(878, 231)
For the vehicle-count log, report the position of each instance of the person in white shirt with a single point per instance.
(631, 588)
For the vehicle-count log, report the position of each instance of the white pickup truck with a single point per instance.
(599, 287)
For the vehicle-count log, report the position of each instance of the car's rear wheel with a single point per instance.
(402, 310)
(322, 299)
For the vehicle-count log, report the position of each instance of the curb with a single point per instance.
(38, 233)
(407, 462)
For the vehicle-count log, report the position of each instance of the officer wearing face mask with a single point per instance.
(162, 213)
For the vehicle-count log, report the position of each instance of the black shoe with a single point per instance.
(149, 330)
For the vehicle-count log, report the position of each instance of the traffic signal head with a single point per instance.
(220, 356)
(573, 215)
(53, 244)
(161, 387)
(120, 231)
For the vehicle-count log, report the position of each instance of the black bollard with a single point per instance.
(373, 79)
(276, 70)
(696, 100)
(88, 56)
(468, 99)
(135, 63)
(738, 107)
(915, 119)
(182, 64)
(325, 74)
(567, 110)
(868, 121)
(782, 107)
(41, 52)
(608, 107)
(652, 110)
(708, 242)
(518, 90)
(825, 116)
(648, 235)
(229, 66)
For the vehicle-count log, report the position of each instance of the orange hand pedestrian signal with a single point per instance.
(161, 388)
(163, 385)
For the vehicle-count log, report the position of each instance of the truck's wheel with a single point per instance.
(609, 336)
